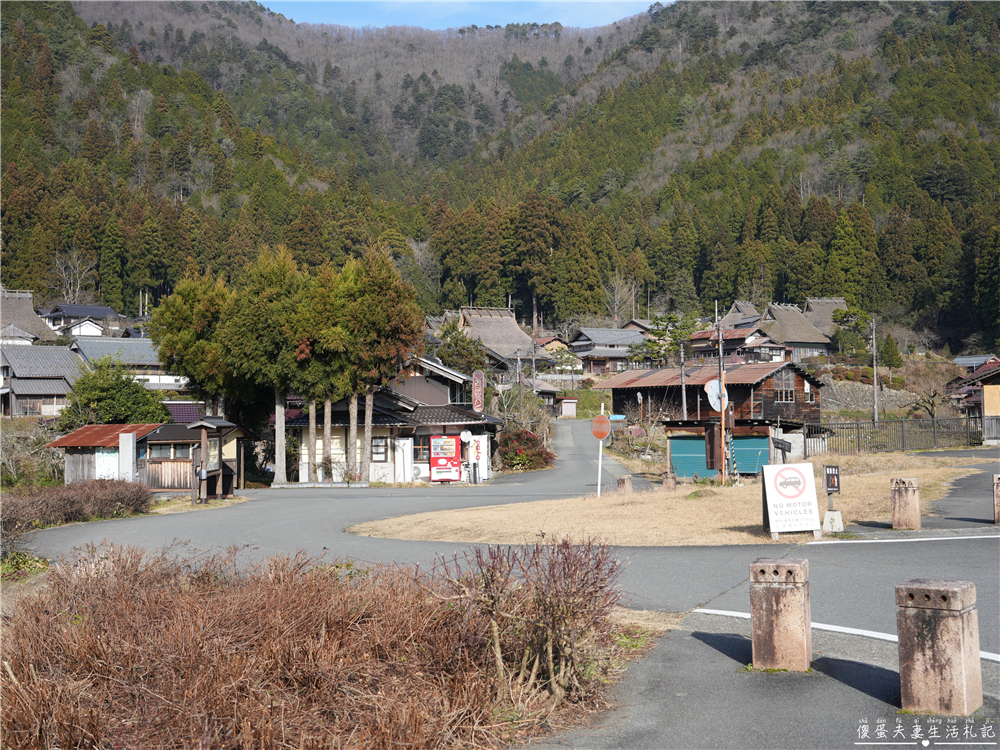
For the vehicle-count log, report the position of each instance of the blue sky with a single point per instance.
(456, 13)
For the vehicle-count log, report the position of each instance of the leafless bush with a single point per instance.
(31, 507)
(184, 649)
(23, 455)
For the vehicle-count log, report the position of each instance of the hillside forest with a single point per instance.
(695, 154)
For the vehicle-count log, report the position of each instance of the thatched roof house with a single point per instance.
(16, 309)
(819, 312)
(498, 330)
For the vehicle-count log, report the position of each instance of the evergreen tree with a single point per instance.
(108, 394)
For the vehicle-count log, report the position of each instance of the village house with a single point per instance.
(65, 316)
(769, 400)
(605, 350)
(819, 311)
(18, 316)
(35, 380)
(138, 356)
(738, 345)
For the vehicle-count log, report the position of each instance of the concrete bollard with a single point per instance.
(780, 620)
(939, 668)
(905, 497)
(625, 483)
(996, 498)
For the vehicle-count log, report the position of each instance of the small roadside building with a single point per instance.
(103, 451)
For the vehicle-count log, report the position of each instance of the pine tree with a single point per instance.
(110, 267)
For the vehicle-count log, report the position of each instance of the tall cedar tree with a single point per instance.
(385, 325)
(258, 334)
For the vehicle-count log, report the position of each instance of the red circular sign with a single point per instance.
(789, 482)
(601, 427)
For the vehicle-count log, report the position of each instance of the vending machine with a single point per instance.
(446, 458)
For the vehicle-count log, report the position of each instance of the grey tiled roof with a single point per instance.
(605, 336)
(41, 362)
(434, 415)
(39, 386)
(126, 351)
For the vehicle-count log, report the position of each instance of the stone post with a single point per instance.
(669, 481)
(780, 619)
(939, 668)
(625, 483)
(996, 498)
(905, 497)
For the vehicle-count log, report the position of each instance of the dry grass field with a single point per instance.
(693, 514)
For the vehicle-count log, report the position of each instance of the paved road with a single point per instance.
(852, 583)
(689, 691)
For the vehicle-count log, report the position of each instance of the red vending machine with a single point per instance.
(446, 458)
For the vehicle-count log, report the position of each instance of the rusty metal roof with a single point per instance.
(742, 374)
(101, 435)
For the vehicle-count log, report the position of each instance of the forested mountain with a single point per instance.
(700, 152)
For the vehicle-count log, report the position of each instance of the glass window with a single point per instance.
(380, 449)
(784, 386)
(159, 451)
(422, 448)
(182, 450)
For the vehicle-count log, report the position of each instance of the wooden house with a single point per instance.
(35, 380)
(16, 309)
(605, 350)
(138, 356)
(749, 344)
(769, 400)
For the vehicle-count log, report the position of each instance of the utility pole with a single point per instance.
(684, 397)
(874, 372)
(722, 395)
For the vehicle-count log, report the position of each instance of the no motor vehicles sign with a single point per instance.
(790, 492)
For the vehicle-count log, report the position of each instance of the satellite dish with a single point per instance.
(717, 396)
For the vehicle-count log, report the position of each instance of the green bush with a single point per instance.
(521, 450)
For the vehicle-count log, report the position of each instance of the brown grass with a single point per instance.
(691, 515)
(185, 650)
(182, 504)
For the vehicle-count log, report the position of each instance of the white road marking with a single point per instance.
(887, 541)
(838, 629)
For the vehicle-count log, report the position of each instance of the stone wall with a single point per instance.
(844, 394)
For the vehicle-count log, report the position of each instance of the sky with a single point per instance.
(456, 13)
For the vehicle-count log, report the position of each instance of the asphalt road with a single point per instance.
(852, 583)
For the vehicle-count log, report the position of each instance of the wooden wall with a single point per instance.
(174, 474)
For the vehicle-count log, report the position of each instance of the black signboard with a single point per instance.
(781, 445)
(831, 479)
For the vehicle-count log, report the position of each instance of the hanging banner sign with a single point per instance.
(790, 492)
(478, 391)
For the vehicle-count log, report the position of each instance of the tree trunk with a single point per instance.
(312, 441)
(352, 439)
(366, 455)
(327, 440)
(534, 316)
(280, 476)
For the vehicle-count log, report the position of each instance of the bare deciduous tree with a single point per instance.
(73, 276)
(620, 292)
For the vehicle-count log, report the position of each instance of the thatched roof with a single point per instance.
(739, 313)
(819, 312)
(498, 330)
(787, 325)
(16, 308)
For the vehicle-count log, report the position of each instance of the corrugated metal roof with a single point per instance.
(41, 362)
(742, 374)
(126, 351)
(40, 387)
(101, 435)
(605, 336)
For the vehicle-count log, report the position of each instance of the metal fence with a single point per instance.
(894, 435)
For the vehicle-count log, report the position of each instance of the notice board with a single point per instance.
(790, 499)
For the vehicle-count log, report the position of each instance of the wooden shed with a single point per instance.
(103, 451)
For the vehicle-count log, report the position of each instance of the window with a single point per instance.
(421, 448)
(784, 386)
(182, 450)
(810, 394)
(159, 451)
(380, 450)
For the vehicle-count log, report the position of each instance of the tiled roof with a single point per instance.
(182, 413)
(602, 352)
(127, 351)
(605, 336)
(101, 435)
(434, 415)
(83, 311)
(741, 374)
(41, 362)
(39, 386)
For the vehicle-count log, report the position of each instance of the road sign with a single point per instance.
(478, 391)
(601, 427)
(790, 492)
(718, 396)
(831, 479)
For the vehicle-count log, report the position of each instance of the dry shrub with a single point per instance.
(183, 650)
(30, 507)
